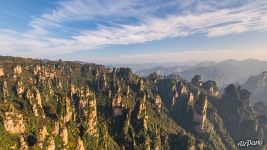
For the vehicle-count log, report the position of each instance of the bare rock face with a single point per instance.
(42, 133)
(157, 145)
(37, 96)
(36, 69)
(64, 135)
(197, 80)
(158, 102)
(142, 107)
(5, 90)
(191, 97)
(104, 81)
(173, 100)
(30, 98)
(145, 122)
(2, 72)
(68, 114)
(141, 120)
(60, 84)
(13, 122)
(80, 145)
(116, 101)
(213, 92)
(211, 88)
(50, 89)
(182, 88)
(87, 103)
(51, 145)
(19, 87)
(128, 91)
(73, 89)
(142, 116)
(41, 136)
(200, 113)
(257, 86)
(92, 118)
(17, 70)
(117, 105)
(22, 144)
(85, 94)
(141, 84)
(240, 118)
(56, 129)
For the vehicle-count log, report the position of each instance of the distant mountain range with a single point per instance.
(163, 70)
(146, 66)
(224, 73)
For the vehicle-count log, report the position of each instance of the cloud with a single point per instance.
(216, 23)
(210, 18)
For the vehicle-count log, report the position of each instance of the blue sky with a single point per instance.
(134, 31)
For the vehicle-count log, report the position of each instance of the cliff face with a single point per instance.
(13, 122)
(257, 85)
(66, 105)
(238, 115)
(219, 119)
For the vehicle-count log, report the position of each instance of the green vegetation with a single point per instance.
(90, 106)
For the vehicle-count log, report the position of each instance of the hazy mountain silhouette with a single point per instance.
(224, 73)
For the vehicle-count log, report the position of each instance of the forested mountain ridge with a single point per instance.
(68, 105)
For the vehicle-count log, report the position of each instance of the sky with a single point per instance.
(134, 31)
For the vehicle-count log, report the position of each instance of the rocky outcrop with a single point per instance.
(117, 106)
(36, 69)
(17, 70)
(55, 130)
(22, 143)
(67, 116)
(235, 103)
(197, 81)
(211, 88)
(73, 89)
(50, 89)
(158, 102)
(4, 89)
(191, 97)
(13, 122)
(141, 85)
(200, 113)
(257, 85)
(41, 136)
(80, 145)
(37, 96)
(30, 97)
(142, 115)
(182, 88)
(92, 117)
(19, 87)
(63, 133)
(2, 73)
(86, 106)
(51, 144)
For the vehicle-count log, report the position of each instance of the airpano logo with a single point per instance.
(248, 143)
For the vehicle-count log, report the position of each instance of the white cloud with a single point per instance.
(216, 23)
(40, 40)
